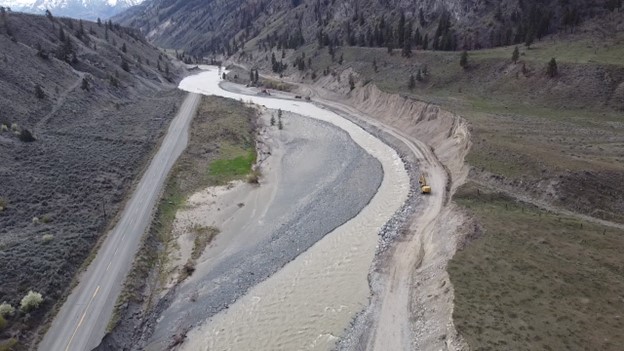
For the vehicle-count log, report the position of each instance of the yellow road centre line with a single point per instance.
(82, 318)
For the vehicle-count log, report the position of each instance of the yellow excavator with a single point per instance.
(424, 188)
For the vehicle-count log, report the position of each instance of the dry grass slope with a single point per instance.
(537, 280)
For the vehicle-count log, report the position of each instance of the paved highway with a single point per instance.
(81, 323)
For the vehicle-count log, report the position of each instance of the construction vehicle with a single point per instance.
(424, 188)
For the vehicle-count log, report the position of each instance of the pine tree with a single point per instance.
(401, 29)
(463, 60)
(515, 55)
(125, 66)
(419, 76)
(530, 37)
(421, 17)
(412, 82)
(39, 93)
(272, 120)
(85, 84)
(407, 41)
(552, 69)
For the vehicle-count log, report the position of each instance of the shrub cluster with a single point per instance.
(31, 301)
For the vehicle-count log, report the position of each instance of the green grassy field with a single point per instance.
(233, 166)
(537, 281)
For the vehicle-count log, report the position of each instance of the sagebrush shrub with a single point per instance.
(31, 301)
(6, 309)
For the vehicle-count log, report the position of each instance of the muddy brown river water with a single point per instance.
(308, 304)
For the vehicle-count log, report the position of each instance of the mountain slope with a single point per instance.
(96, 98)
(85, 9)
(207, 27)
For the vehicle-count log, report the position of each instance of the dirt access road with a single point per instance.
(391, 328)
(82, 320)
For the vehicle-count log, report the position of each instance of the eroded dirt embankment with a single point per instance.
(413, 298)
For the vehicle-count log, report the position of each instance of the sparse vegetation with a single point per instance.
(203, 237)
(46, 238)
(254, 177)
(31, 301)
(535, 280)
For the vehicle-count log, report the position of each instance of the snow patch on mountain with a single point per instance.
(86, 9)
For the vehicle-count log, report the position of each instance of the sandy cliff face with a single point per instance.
(445, 132)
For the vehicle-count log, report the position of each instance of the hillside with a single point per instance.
(217, 26)
(82, 106)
